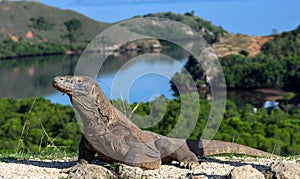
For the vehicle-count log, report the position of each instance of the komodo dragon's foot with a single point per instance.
(189, 165)
(75, 167)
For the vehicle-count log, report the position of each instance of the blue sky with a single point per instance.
(253, 17)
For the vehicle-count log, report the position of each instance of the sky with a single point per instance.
(252, 17)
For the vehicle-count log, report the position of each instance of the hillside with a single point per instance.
(32, 21)
(32, 28)
(210, 32)
(257, 62)
(234, 44)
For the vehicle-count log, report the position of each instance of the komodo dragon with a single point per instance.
(111, 135)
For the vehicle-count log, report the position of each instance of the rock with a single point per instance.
(214, 167)
(125, 171)
(286, 169)
(165, 171)
(81, 171)
(246, 171)
(142, 44)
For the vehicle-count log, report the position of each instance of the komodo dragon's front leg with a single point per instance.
(86, 151)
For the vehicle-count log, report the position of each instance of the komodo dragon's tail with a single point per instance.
(213, 147)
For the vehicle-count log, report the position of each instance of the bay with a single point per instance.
(134, 77)
(149, 75)
(138, 79)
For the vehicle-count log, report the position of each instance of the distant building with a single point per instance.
(270, 105)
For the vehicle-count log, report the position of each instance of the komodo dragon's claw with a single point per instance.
(189, 165)
(71, 169)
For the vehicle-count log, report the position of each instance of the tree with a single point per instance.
(244, 52)
(72, 26)
(275, 31)
(192, 75)
(192, 13)
(41, 24)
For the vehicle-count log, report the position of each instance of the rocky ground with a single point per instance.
(215, 167)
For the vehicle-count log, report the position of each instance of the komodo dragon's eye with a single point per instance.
(79, 81)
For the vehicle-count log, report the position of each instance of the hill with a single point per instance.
(277, 64)
(210, 32)
(32, 28)
(256, 62)
(234, 44)
(33, 21)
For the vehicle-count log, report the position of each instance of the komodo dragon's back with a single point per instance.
(110, 134)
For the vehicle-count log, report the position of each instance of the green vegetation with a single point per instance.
(278, 65)
(182, 82)
(276, 131)
(57, 31)
(23, 48)
(35, 126)
(27, 32)
(72, 25)
(210, 32)
(41, 24)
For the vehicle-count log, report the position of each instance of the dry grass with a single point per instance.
(234, 43)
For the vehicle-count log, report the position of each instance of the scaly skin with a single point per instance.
(114, 138)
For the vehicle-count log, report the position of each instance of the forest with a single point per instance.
(35, 125)
(278, 65)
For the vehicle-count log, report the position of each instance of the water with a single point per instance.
(138, 79)
(132, 77)
(28, 77)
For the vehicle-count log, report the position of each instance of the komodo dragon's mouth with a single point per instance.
(61, 87)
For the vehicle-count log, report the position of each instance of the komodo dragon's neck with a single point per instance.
(95, 106)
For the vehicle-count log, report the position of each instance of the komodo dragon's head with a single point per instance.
(74, 85)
